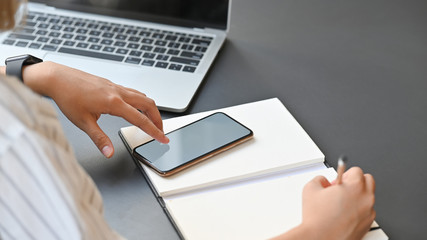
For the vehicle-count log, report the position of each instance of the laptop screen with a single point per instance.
(187, 13)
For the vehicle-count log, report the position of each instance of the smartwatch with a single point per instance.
(14, 64)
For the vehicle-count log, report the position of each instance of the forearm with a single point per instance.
(299, 232)
(38, 77)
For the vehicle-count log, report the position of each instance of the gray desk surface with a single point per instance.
(353, 73)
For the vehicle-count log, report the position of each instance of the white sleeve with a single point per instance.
(44, 192)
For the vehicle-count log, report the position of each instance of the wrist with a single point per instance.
(2, 70)
(39, 77)
(301, 231)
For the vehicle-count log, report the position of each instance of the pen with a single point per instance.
(340, 169)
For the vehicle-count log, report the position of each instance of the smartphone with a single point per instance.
(193, 143)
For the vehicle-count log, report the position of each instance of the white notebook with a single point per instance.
(252, 191)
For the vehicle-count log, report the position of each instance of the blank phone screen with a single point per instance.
(193, 141)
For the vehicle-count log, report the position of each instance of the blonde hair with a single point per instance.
(8, 11)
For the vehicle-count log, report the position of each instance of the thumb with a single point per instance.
(101, 140)
(319, 182)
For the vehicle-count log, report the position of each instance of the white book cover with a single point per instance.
(279, 143)
(259, 209)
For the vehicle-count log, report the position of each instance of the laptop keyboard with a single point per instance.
(105, 40)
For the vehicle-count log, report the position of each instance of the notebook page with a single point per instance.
(251, 210)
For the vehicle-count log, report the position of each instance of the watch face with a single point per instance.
(28, 59)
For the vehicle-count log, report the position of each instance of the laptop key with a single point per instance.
(41, 19)
(43, 39)
(147, 40)
(95, 47)
(54, 34)
(80, 38)
(192, 55)
(105, 28)
(41, 32)
(91, 54)
(56, 28)
(93, 25)
(149, 55)
(122, 51)
(67, 36)
(176, 67)
(121, 37)
(161, 64)
(162, 57)
(69, 29)
(82, 45)
(108, 49)
(81, 31)
(201, 42)
(107, 42)
(132, 31)
(186, 61)
(187, 47)
(24, 31)
(79, 24)
(54, 20)
(148, 62)
(200, 49)
(135, 53)
(158, 35)
(119, 44)
(133, 60)
(49, 47)
(188, 69)
(9, 42)
(67, 22)
(184, 39)
(108, 35)
(160, 43)
(118, 30)
(174, 45)
(30, 24)
(93, 40)
(22, 36)
(56, 41)
(159, 50)
(173, 52)
(144, 34)
(35, 45)
(95, 33)
(146, 48)
(133, 45)
(21, 44)
(171, 38)
(69, 43)
(134, 39)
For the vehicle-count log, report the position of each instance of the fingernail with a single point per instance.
(107, 151)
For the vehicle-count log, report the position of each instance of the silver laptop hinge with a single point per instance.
(199, 29)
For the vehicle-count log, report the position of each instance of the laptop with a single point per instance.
(162, 48)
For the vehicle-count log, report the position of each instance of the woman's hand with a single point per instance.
(340, 211)
(336, 211)
(83, 97)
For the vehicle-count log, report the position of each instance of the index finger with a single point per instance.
(370, 182)
(146, 105)
(133, 116)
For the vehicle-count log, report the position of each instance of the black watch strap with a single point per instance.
(14, 64)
